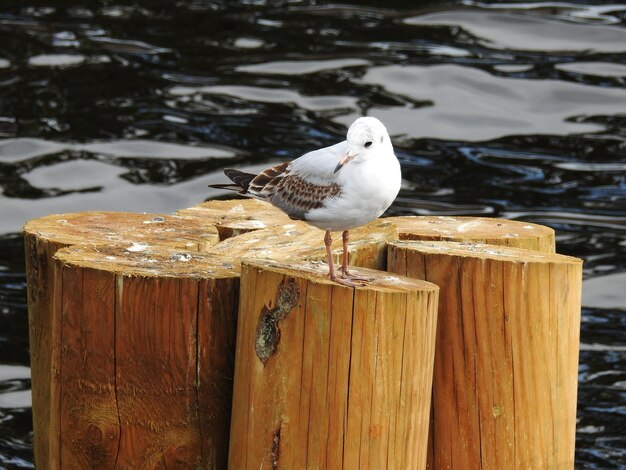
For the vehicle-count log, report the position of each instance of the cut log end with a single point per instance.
(147, 260)
(123, 227)
(367, 245)
(238, 216)
(476, 229)
(481, 251)
(318, 272)
(142, 357)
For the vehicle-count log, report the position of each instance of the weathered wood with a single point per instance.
(106, 228)
(329, 376)
(142, 353)
(476, 230)
(43, 237)
(145, 386)
(255, 229)
(505, 375)
(138, 233)
(238, 216)
(367, 247)
(40, 275)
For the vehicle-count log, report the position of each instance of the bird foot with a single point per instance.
(342, 281)
(355, 277)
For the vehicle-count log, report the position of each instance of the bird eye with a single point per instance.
(368, 144)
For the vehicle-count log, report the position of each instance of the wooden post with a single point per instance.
(328, 376)
(506, 364)
(142, 359)
(130, 236)
(476, 230)
(43, 237)
(132, 336)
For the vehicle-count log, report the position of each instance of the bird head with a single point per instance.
(366, 137)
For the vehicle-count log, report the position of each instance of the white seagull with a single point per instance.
(335, 188)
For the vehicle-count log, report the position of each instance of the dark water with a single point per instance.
(508, 109)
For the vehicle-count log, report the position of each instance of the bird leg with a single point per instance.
(345, 273)
(345, 237)
(331, 265)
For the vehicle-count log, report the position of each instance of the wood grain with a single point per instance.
(235, 217)
(105, 228)
(514, 233)
(132, 336)
(41, 322)
(144, 359)
(43, 238)
(117, 240)
(348, 382)
(506, 364)
(367, 247)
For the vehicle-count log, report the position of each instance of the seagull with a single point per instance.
(335, 188)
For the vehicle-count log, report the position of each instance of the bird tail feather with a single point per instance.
(241, 179)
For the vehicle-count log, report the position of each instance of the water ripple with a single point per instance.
(507, 109)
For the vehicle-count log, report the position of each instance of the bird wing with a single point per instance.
(319, 166)
(302, 185)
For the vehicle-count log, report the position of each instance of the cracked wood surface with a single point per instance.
(514, 233)
(144, 359)
(42, 238)
(506, 368)
(348, 382)
(157, 249)
(140, 252)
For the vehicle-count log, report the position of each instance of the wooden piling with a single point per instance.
(476, 230)
(43, 237)
(329, 376)
(505, 375)
(141, 359)
(128, 236)
(132, 343)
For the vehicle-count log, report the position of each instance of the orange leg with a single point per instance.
(345, 273)
(331, 265)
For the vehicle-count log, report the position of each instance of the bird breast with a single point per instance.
(367, 190)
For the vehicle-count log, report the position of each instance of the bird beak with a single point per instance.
(344, 160)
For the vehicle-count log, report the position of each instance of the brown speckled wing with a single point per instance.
(265, 182)
(290, 192)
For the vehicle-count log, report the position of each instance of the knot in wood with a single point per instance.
(94, 434)
(267, 332)
(177, 456)
(182, 452)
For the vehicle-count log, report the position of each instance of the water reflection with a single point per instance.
(473, 105)
(507, 109)
(527, 31)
